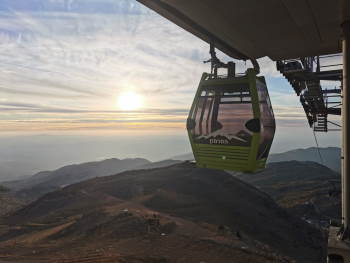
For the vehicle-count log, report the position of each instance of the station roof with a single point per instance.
(279, 29)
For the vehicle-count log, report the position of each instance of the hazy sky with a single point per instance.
(64, 63)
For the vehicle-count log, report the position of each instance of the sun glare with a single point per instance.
(129, 101)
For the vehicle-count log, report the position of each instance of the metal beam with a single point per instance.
(334, 111)
(330, 75)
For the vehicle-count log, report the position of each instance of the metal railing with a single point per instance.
(305, 76)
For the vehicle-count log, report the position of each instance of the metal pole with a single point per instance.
(345, 129)
(231, 69)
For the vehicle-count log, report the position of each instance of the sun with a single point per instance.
(129, 101)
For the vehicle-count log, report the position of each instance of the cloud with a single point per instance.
(38, 93)
(48, 109)
(75, 6)
(63, 62)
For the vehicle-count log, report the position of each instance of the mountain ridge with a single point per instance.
(330, 156)
(45, 181)
(182, 191)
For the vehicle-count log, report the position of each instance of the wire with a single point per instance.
(335, 124)
(318, 148)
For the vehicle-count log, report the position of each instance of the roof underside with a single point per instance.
(279, 29)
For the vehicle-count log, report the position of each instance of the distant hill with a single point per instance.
(12, 170)
(8, 203)
(193, 204)
(184, 157)
(330, 156)
(159, 164)
(307, 189)
(47, 181)
(3, 189)
(44, 182)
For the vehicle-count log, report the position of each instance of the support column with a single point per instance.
(345, 128)
(339, 239)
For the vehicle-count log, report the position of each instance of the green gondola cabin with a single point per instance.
(231, 123)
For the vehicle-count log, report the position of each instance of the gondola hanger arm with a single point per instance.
(256, 66)
(216, 63)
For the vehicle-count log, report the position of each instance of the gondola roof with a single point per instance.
(279, 29)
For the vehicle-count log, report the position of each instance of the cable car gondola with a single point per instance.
(231, 123)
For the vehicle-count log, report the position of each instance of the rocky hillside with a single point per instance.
(308, 189)
(193, 205)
